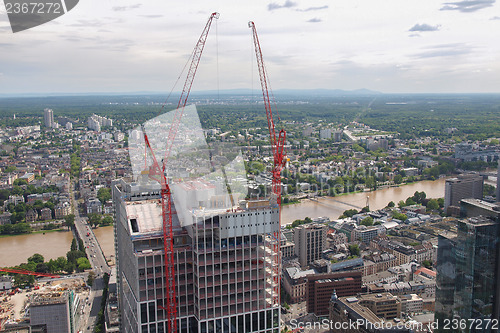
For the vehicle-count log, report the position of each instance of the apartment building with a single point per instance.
(310, 241)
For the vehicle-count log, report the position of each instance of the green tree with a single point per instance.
(107, 220)
(73, 256)
(433, 204)
(91, 278)
(391, 204)
(399, 216)
(10, 168)
(419, 197)
(83, 264)
(350, 212)
(367, 221)
(398, 179)
(94, 219)
(42, 268)
(441, 202)
(23, 280)
(69, 221)
(427, 264)
(74, 246)
(410, 202)
(354, 250)
(37, 258)
(104, 194)
(20, 182)
(21, 228)
(69, 268)
(61, 263)
(371, 182)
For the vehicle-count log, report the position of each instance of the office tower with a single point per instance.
(462, 187)
(467, 272)
(310, 241)
(224, 261)
(48, 118)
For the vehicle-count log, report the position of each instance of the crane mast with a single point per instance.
(277, 146)
(157, 172)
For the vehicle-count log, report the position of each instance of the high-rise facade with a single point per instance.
(48, 118)
(310, 242)
(467, 272)
(462, 187)
(498, 182)
(225, 265)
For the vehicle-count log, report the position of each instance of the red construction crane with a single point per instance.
(157, 172)
(278, 148)
(277, 145)
(25, 272)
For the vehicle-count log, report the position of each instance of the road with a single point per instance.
(99, 266)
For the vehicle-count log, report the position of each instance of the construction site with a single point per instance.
(31, 306)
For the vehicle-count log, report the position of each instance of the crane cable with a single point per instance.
(177, 81)
(217, 56)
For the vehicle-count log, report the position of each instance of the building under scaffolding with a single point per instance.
(224, 262)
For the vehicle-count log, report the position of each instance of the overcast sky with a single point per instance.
(384, 45)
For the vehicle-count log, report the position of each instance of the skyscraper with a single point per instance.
(462, 187)
(467, 272)
(224, 265)
(48, 118)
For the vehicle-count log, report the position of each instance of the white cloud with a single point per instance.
(314, 20)
(287, 4)
(424, 27)
(467, 6)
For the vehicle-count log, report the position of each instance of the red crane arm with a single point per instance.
(22, 271)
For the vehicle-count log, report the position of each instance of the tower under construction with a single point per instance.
(224, 261)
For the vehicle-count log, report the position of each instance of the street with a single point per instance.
(99, 266)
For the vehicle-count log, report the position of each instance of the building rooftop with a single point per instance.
(48, 299)
(352, 263)
(296, 273)
(144, 216)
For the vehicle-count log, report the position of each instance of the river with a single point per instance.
(16, 249)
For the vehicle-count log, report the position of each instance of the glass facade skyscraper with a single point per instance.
(467, 279)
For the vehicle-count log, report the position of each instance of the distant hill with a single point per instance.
(295, 92)
(226, 92)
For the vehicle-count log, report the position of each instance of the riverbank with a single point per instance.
(35, 232)
(333, 207)
(51, 245)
